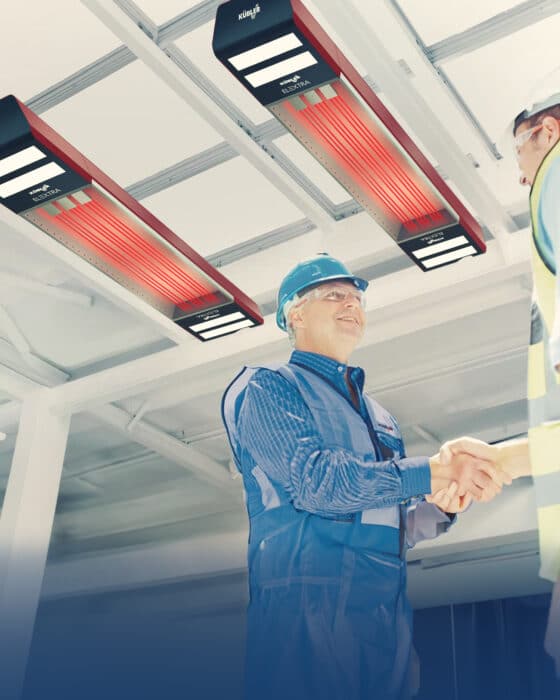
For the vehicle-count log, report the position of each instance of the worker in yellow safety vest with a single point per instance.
(536, 134)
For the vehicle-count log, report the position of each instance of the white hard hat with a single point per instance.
(543, 95)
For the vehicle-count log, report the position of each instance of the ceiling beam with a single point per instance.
(439, 74)
(151, 510)
(493, 29)
(396, 292)
(387, 323)
(146, 373)
(15, 384)
(120, 57)
(30, 361)
(175, 78)
(185, 169)
(11, 279)
(200, 465)
(262, 242)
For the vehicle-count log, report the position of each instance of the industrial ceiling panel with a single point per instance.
(44, 42)
(442, 344)
(451, 377)
(93, 445)
(495, 79)
(435, 20)
(160, 11)
(197, 46)
(131, 477)
(131, 125)
(495, 82)
(433, 401)
(71, 334)
(222, 207)
(21, 255)
(192, 418)
(218, 448)
(76, 493)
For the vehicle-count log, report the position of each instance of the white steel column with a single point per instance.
(25, 531)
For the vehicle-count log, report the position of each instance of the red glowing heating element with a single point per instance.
(47, 181)
(90, 220)
(340, 127)
(332, 123)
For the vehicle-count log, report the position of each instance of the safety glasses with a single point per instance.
(338, 295)
(521, 139)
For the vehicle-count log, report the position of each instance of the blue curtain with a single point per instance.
(485, 651)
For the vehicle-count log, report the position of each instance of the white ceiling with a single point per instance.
(435, 21)
(445, 351)
(131, 111)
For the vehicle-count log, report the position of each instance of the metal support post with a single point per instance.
(25, 530)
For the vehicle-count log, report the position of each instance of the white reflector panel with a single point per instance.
(217, 322)
(223, 330)
(278, 70)
(24, 182)
(449, 257)
(265, 51)
(440, 247)
(20, 160)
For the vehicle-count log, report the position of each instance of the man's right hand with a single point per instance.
(475, 476)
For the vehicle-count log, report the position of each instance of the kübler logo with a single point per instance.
(43, 188)
(252, 14)
(291, 80)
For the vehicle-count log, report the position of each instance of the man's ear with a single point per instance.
(296, 317)
(551, 127)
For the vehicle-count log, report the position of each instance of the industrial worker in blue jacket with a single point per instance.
(333, 504)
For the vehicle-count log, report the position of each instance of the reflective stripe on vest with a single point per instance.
(543, 391)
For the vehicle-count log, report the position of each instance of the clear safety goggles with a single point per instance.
(521, 139)
(337, 295)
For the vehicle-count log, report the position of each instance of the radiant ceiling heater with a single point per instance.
(48, 182)
(286, 60)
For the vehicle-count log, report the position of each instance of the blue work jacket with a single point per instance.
(333, 504)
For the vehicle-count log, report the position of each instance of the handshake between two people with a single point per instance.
(467, 469)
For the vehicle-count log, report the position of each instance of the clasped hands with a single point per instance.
(464, 470)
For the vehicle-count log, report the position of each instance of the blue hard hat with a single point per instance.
(321, 268)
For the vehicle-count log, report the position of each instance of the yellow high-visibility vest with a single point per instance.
(544, 391)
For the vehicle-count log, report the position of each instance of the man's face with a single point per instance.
(532, 153)
(329, 324)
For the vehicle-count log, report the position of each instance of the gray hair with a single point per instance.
(289, 306)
